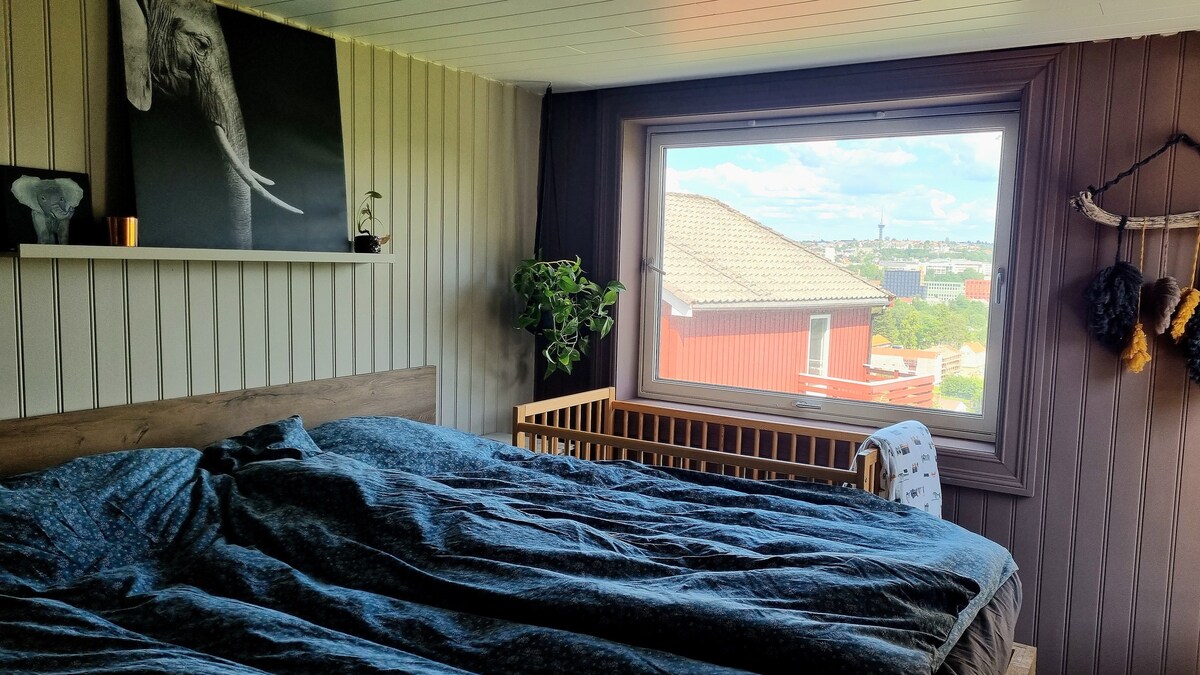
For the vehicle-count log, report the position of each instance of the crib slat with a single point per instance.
(671, 438)
(586, 425)
(654, 436)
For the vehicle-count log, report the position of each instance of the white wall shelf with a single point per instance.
(157, 253)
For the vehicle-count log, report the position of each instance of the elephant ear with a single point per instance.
(134, 35)
(71, 191)
(24, 189)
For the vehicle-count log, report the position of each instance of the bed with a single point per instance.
(381, 543)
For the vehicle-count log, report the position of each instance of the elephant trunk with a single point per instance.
(216, 95)
(223, 111)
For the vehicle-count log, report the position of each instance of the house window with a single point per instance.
(818, 345)
(848, 268)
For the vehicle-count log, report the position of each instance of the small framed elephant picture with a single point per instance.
(45, 207)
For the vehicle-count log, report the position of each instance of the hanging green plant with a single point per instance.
(564, 307)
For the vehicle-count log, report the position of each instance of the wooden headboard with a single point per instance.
(33, 443)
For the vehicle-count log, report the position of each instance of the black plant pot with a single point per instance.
(544, 324)
(367, 243)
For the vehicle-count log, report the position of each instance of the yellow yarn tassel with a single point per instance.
(1137, 354)
(1187, 307)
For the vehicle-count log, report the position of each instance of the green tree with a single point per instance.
(964, 388)
(920, 324)
(868, 270)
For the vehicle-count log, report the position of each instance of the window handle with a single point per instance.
(1001, 286)
(649, 264)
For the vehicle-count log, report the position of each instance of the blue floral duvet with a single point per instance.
(385, 545)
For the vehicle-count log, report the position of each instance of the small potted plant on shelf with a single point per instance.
(564, 308)
(365, 241)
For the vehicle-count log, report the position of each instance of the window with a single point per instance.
(849, 268)
(818, 345)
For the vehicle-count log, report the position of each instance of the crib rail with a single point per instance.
(594, 425)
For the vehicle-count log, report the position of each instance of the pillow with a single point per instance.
(417, 447)
(284, 439)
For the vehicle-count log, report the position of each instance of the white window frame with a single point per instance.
(824, 358)
(1004, 117)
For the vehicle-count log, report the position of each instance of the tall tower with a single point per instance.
(881, 227)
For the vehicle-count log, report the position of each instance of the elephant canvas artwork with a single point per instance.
(45, 207)
(236, 129)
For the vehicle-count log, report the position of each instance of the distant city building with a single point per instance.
(955, 266)
(951, 359)
(899, 362)
(974, 356)
(900, 265)
(902, 283)
(943, 291)
(978, 289)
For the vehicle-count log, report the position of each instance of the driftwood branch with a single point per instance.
(1084, 203)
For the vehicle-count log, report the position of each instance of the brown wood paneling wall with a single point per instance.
(1109, 544)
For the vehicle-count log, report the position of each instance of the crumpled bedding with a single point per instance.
(382, 544)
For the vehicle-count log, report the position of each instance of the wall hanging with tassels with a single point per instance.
(1118, 305)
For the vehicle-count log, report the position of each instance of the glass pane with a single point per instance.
(855, 269)
(818, 345)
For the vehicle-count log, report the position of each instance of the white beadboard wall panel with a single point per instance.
(479, 249)
(343, 320)
(112, 328)
(202, 327)
(141, 279)
(6, 112)
(173, 329)
(77, 336)
(302, 320)
(322, 320)
(279, 329)
(453, 154)
(401, 166)
(230, 365)
(418, 103)
(449, 210)
(465, 210)
(10, 335)
(39, 337)
(364, 305)
(254, 323)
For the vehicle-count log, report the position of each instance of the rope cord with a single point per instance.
(1171, 142)
(1142, 265)
(1195, 260)
(1120, 238)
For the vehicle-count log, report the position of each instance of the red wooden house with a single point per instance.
(744, 306)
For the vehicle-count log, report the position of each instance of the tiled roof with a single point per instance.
(716, 256)
(904, 353)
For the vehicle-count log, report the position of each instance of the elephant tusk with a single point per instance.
(247, 174)
(260, 178)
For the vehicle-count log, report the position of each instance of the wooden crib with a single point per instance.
(594, 425)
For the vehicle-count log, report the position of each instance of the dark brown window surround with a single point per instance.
(601, 182)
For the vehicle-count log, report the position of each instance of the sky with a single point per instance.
(924, 187)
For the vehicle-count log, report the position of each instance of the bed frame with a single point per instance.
(33, 443)
(595, 425)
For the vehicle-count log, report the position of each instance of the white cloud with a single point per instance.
(926, 186)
